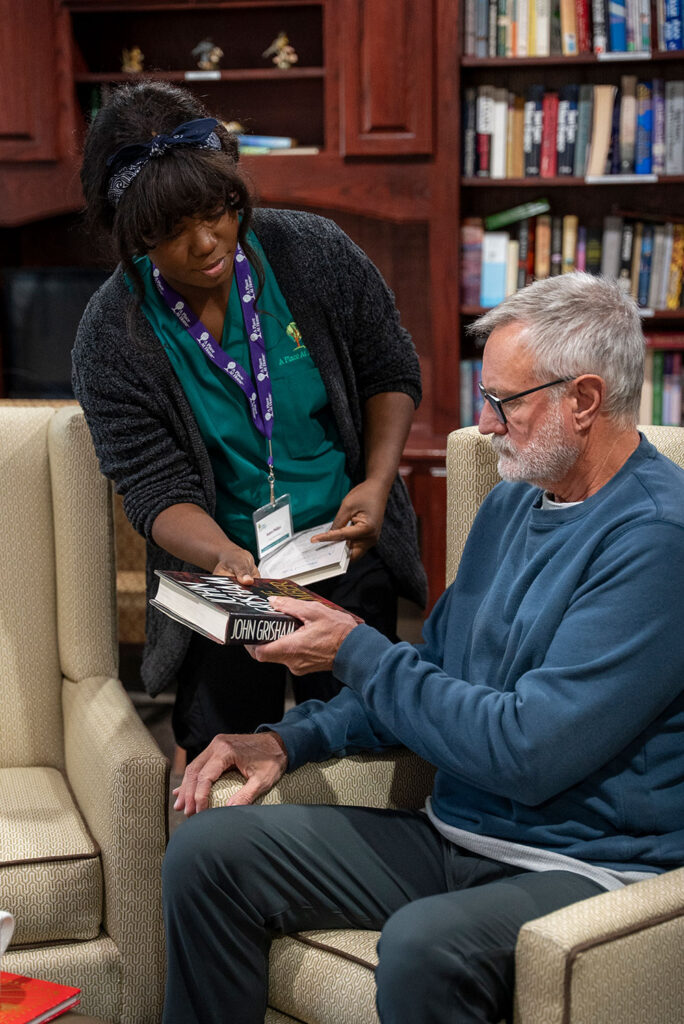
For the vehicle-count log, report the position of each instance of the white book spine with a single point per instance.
(523, 28)
(499, 133)
(543, 24)
(674, 127)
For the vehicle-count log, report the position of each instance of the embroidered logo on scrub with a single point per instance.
(300, 350)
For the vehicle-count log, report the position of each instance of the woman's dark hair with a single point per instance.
(184, 182)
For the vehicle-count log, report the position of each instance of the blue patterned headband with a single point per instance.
(127, 162)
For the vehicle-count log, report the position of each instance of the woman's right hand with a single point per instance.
(239, 563)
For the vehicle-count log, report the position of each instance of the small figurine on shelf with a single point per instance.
(132, 60)
(284, 55)
(208, 55)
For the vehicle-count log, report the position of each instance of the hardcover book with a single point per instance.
(516, 213)
(494, 262)
(601, 129)
(32, 1001)
(644, 129)
(224, 610)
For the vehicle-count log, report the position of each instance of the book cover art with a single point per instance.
(26, 1000)
(227, 611)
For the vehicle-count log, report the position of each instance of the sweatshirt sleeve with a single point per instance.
(603, 680)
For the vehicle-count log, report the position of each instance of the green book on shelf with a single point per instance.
(499, 220)
(658, 374)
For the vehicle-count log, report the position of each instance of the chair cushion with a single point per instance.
(326, 977)
(50, 872)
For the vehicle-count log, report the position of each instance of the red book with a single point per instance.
(32, 1001)
(548, 164)
(584, 40)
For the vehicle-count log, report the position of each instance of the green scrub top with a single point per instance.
(309, 461)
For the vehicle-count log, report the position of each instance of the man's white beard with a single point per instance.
(547, 459)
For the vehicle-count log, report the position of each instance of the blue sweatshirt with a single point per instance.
(549, 688)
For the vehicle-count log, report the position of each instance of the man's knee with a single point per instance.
(216, 843)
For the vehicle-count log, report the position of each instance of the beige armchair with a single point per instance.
(616, 957)
(82, 784)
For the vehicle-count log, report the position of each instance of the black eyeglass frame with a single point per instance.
(498, 403)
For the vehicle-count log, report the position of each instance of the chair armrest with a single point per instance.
(394, 778)
(614, 957)
(119, 778)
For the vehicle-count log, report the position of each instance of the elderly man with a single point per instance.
(547, 692)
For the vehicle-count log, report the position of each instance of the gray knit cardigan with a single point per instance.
(146, 437)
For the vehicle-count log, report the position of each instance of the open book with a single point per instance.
(300, 560)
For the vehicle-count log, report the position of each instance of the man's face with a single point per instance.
(537, 443)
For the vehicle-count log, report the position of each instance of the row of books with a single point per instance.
(542, 28)
(587, 130)
(661, 396)
(647, 258)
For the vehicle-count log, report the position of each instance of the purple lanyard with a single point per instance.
(259, 397)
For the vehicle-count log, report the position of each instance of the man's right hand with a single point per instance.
(259, 757)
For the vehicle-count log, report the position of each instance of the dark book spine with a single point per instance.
(613, 161)
(626, 243)
(567, 129)
(645, 265)
(523, 235)
(469, 132)
(556, 246)
(532, 130)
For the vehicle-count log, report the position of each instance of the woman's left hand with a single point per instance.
(359, 518)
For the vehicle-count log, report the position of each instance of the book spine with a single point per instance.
(502, 27)
(523, 234)
(494, 260)
(469, 132)
(599, 28)
(610, 246)
(522, 35)
(674, 285)
(673, 25)
(583, 26)
(499, 220)
(628, 119)
(658, 137)
(614, 151)
(492, 27)
(645, 265)
(645, 25)
(581, 256)
(617, 26)
(548, 160)
(646, 404)
(542, 247)
(568, 243)
(469, 28)
(532, 130)
(644, 130)
(478, 400)
(483, 130)
(636, 261)
(674, 127)
(268, 141)
(594, 250)
(658, 372)
(664, 283)
(568, 28)
(624, 277)
(499, 132)
(481, 27)
(556, 246)
(471, 260)
(512, 266)
(584, 118)
(542, 12)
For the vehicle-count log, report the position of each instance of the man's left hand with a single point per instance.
(312, 647)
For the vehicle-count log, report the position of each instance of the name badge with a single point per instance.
(273, 524)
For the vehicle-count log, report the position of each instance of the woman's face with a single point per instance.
(199, 253)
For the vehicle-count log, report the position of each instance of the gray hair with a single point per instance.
(577, 323)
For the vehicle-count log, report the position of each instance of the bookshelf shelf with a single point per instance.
(556, 60)
(192, 75)
(610, 181)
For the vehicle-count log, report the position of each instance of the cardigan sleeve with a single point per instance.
(140, 439)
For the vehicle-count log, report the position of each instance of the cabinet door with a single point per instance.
(28, 129)
(386, 77)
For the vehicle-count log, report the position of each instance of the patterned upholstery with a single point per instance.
(82, 784)
(616, 957)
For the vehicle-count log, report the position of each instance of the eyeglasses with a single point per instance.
(498, 403)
